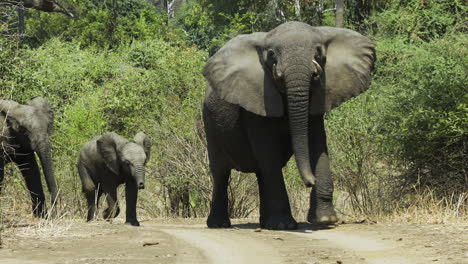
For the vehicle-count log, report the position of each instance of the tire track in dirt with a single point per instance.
(369, 250)
(187, 241)
(221, 246)
(103, 243)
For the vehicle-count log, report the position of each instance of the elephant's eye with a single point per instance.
(320, 59)
(319, 56)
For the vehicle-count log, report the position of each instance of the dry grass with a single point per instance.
(16, 218)
(17, 221)
(420, 208)
(182, 161)
(426, 208)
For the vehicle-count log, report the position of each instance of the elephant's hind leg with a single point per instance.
(113, 209)
(92, 199)
(91, 192)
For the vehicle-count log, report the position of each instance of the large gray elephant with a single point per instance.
(107, 161)
(24, 130)
(266, 96)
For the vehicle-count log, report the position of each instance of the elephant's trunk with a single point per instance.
(140, 176)
(44, 152)
(297, 81)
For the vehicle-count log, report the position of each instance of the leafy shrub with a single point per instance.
(211, 24)
(426, 124)
(409, 131)
(98, 23)
(359, 167)
(417, 21)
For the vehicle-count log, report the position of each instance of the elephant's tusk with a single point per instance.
(275, 73)
(317, 66)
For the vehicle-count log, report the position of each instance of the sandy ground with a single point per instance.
(189, 241)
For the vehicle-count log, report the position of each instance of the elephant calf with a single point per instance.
(107, 161)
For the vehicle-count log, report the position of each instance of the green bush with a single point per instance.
(421, 21)
(98, 23)
(139, 87)
(409, 131)
(125, 70)
(211, 24)
(426, 124)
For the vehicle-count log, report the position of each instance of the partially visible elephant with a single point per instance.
(107, 161)
(41, 5)
(24, 130)
(265, 101)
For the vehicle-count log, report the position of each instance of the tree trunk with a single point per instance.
(339, 15)
(21, 20)
(297, 9)
(278, 13)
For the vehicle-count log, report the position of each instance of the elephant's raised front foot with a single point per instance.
(279, 222)
(40, 214)
(109, 214)
(40, 211)
(322, 216)
(132, 222)
(218, 221)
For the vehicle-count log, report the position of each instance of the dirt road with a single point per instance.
(189, 241)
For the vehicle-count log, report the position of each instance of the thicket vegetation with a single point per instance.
(127, 66)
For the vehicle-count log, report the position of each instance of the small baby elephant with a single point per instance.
(107, 161)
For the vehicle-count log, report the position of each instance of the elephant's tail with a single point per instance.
(86, 181)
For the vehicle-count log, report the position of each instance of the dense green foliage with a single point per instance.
(124, 66)
(409, 132)
(99, 23)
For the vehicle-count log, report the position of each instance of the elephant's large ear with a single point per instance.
(143, 140)
(236, 73)
(11, 110)
(44, 106)
(349, 62)
(107, 147)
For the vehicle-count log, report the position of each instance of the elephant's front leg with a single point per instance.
(131, 196)
(321, 198)
(219, 216)
(275, 211)
(30, 170)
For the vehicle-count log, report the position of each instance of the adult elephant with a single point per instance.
(266, 96)
(25, 130)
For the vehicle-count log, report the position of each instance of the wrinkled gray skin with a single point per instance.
(266, 97)
(25, 130)
(41, 5)
(107, 161)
